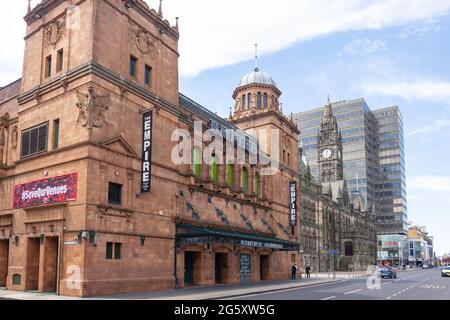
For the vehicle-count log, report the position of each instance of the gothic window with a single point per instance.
(230, 174)
(249, 101)
(265, 101)
(196, 162)
(244, 180)
(259, 100)
(243, 102)
(214, 171)
(258, 184)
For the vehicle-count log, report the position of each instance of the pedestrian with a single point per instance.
(294, 272)
(308, 271)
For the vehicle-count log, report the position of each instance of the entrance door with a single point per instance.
(189, 268)
(50, 264)
(218, 267)
(221, 267)
(32, 268)
(245, 270)
(264, 267)
(4, 253)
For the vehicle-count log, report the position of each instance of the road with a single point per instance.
(410, 285)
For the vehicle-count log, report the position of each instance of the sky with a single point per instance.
(390, 52)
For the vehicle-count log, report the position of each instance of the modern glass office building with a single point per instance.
(392, 217)
(359, 131)
(374, 158)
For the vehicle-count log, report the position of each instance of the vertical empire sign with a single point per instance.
(146, 174)
(293, 203)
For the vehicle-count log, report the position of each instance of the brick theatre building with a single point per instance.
(91, 201)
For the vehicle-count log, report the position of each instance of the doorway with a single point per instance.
(50, 264)
(4, 254)
(32, 268)
(264, 267)
(221, 267)
(192, 267)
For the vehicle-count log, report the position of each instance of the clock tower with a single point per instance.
(330, 148)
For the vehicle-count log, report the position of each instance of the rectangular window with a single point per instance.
(115, 194)
(133, 66)
(113, 250)
(55, 134)
(60, 60)
(34, 140)
(148, 75)
(48, 66)
(117, 251)
(109, 250)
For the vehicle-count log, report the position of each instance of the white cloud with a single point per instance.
(436, 185)
(435, 127)
(419, 32)
(365, 46)
(219, 33)
(438, 91)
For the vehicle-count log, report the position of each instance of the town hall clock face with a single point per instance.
(327, 153)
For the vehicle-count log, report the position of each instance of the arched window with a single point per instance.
(196, 160)
(230, 174)
(259, 100)
(244, 180)
(265, 101)
(258, 185)
(243, 102)
(249, 101)
(214, 171)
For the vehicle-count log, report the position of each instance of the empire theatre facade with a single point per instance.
(92, 201)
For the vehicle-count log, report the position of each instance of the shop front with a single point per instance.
(210, 255)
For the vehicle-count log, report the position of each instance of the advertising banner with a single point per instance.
(146, 173)
(46, 191)
(293, 203)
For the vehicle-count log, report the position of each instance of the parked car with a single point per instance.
(387, 272)
(445, 272)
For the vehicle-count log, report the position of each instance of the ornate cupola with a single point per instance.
(257, 93)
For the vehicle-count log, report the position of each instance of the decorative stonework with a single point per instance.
(55, 31)
(142, 40)
(92, 108)
(15, 137)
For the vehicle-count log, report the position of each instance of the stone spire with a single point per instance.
(256, 58)
(176, 24)
(29, 6)
(160, 11)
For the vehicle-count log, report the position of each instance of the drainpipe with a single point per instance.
(175, 262)
(60, 253)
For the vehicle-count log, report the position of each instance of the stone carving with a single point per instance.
(3, 125)
(142, 40)
(92, 108)
(15, 137)
(4, 120)
(55, 31)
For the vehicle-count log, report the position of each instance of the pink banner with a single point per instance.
(46, 191)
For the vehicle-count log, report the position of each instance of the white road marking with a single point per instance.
(329, 298)
(354, 291)
(388, 298)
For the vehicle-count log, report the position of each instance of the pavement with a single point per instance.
(190, 293)
(415, 284)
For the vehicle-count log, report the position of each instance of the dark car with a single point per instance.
(387, 272)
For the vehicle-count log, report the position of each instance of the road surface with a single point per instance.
(410, 285)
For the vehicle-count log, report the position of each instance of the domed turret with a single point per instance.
(257, 77)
